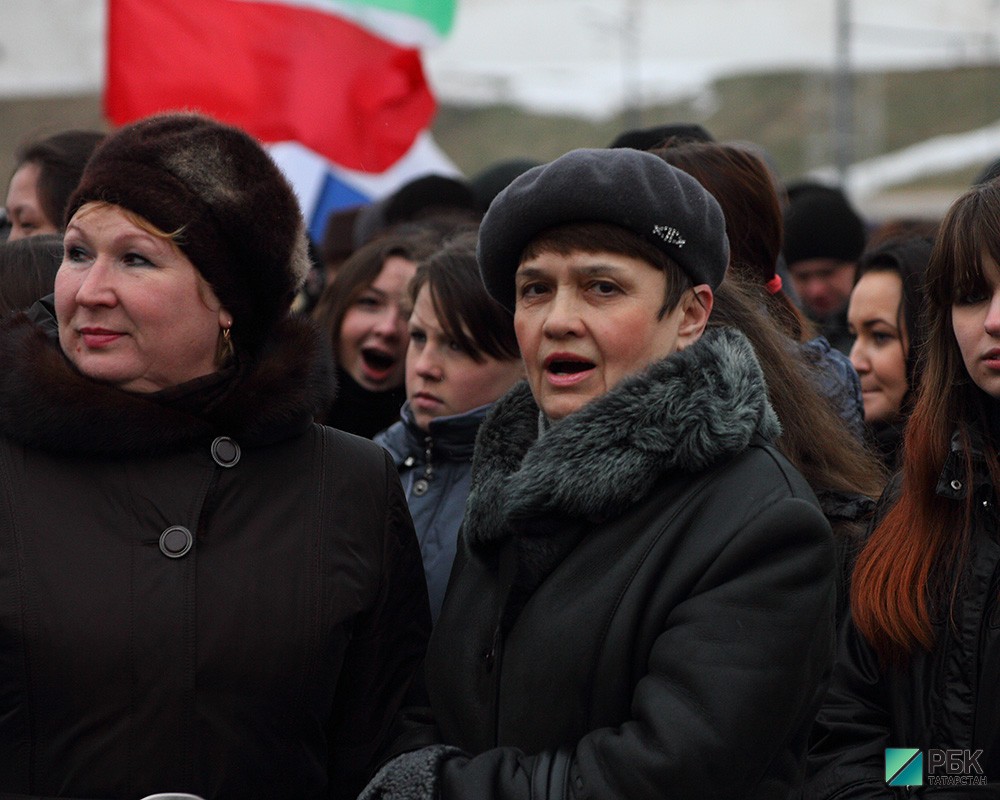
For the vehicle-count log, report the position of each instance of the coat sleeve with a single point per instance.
(847, 754)
(732, 685)
(383, 662)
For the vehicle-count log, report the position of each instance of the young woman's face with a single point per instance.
(132, 309)
(373, 333)
(442, 379)
(881, 343)
(24, 207)
(585, 321)
(975, 319)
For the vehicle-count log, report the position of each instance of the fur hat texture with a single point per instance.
(635, 190)
(820, 223)
(234, 214)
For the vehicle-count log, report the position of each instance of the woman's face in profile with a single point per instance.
(132, 309)
(443, 380)
(881, 343)
(24, 206)
(373, 334)
(585, 321)
(975, 319)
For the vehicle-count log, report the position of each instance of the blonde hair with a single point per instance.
(138, 220)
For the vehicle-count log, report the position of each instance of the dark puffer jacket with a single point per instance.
(436, 471)
(200, 590)
(643, 603)
(945, 699)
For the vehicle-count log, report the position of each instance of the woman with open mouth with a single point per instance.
(462, 356)
(642, 603)
(365, 310)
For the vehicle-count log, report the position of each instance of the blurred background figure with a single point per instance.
(462, 356)
(28, 270)
(437, 201)
(365, 313)
(658, 135)
(493, 179)
(45, 174)
(884, 316)
(824, 236)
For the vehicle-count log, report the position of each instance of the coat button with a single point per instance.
(175, 541)
(225, 452)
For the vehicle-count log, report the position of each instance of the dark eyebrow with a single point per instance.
(872, 322)
(528, 272)
(590, 271)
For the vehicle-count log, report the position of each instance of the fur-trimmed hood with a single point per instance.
(684, 413)
(46, 403)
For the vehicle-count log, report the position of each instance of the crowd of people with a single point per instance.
(638, 473)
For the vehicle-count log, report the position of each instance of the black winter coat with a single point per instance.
(643, 605)
(945, 699)
(200, 590)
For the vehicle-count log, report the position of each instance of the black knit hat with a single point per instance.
(820, 223)
(648, 138)
(238, 220)
(633, 189)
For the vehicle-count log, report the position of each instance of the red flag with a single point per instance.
(282, 72)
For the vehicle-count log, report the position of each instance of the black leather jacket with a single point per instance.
(945, 699)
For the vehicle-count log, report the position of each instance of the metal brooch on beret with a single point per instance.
(669, 235)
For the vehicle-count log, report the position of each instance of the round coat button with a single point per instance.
(175, 541)
(225, 452)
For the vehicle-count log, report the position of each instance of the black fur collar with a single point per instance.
(46, 403)
(683, 413)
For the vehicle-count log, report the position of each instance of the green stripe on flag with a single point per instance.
(439, 13)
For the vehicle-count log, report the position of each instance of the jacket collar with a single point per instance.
(46, 403)
(682, 414)
(952, 480)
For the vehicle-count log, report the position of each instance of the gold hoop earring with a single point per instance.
(226, 350)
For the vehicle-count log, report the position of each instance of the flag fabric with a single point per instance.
(336, 86)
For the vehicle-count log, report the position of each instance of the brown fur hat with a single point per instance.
(237, 217)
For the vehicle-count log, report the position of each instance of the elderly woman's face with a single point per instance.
(24, 206)
(132, 309)
(585, 321)
(373, 334)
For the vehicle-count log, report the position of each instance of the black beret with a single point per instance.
(633, 189)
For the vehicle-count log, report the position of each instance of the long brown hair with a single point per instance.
(814, 437)
(742, 184)
(907, 571)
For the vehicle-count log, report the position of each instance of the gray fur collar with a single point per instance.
(684, 413)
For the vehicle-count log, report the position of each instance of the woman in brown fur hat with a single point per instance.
(201, 590)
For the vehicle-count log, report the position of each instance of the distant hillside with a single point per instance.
(786, 113)
(789, 114)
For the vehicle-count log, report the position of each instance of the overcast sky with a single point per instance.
(573, 55)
